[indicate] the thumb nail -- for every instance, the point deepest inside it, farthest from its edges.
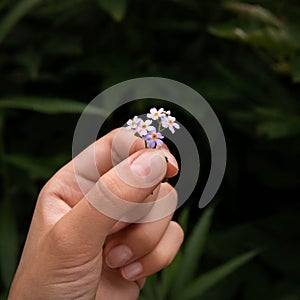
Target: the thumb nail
(150, 167)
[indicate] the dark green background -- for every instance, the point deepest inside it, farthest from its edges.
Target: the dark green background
(56, 56)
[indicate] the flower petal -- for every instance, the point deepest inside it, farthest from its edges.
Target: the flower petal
(159, 142)
(153, 110)
(151, 128)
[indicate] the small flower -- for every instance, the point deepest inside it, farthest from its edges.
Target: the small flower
(144, 127)
(153, 138)
(155, 114)
(164, 115)
(151, 134)
(169, 122)
(133, 123)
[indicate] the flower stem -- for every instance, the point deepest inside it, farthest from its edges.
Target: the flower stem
(159, 126)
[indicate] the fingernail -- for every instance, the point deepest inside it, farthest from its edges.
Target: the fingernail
(132, 271)
(150, 167)
(118, 256)
(170, 158)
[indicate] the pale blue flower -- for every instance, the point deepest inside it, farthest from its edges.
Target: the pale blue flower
(153, 138)
(149, 133)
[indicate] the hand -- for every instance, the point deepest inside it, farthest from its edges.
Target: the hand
(74, 251)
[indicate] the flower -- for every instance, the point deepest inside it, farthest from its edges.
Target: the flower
(155, 114)
(150, 134)
(169, 122)
(144, 127)
(133, 123)
(153, 138)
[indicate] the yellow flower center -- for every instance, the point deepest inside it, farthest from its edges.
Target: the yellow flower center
(133, 123)
(144, 126)
(156, 114)
(154, 136)
(170, 122)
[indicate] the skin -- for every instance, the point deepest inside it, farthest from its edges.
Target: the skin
(70, 251)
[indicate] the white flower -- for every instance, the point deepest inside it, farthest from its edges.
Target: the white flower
(155, 114)
(133, 123)
(144, 127)
(169, 122)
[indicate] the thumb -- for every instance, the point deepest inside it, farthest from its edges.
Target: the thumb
(88, 223)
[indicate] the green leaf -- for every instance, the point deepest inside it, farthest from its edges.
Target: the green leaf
(116, 8)
(193, 251)
(229, 30)
(276, 41)
(38, 169)
(276, 122)
(168, 275)
(50, 106)
(31, 61)
(183, 219)
(199, 286)
(15, 15)
(151, 289)
(8, 243)
(254, 11)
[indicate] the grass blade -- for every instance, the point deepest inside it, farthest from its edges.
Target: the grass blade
(15, 15)
(168, 274)
(36, 168)
(116, 8)
(151, 290)
(199, 286)
(50, 106)
(193, 251)
(256, 12)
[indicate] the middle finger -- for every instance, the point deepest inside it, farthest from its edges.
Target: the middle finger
(136, 240)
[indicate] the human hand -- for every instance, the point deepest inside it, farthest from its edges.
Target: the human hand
(73, 251)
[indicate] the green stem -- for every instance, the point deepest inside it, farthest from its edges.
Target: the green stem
(160, 129)
(159, 125)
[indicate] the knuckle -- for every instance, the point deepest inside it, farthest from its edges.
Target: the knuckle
(111, 185)
(58, 240)
(63, 243)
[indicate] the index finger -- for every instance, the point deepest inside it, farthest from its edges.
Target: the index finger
(95, 161)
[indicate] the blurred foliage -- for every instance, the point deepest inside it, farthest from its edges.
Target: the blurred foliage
(244, 58)
(179, 280)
